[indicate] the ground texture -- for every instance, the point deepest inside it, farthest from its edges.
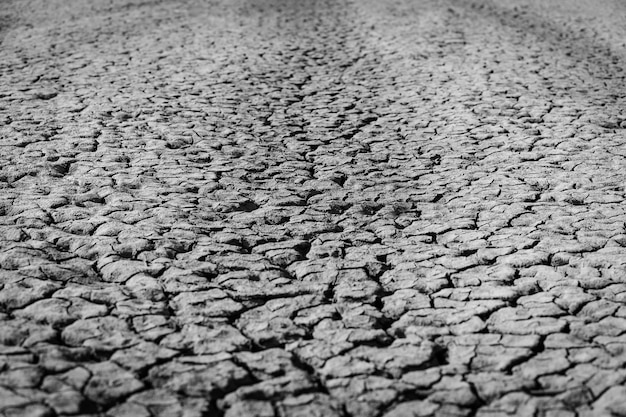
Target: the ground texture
(312, 208)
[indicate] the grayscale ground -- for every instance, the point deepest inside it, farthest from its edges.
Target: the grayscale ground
(265, 208)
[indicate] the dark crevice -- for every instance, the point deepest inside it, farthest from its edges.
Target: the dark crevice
(300, 364)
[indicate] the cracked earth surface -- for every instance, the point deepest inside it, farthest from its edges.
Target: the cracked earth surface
(323, 208)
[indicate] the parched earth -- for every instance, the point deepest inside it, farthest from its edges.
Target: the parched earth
(312, 208)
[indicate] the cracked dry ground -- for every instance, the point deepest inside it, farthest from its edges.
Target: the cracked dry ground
(322, 208)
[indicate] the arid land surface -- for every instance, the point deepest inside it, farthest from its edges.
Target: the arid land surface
(342, 208)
